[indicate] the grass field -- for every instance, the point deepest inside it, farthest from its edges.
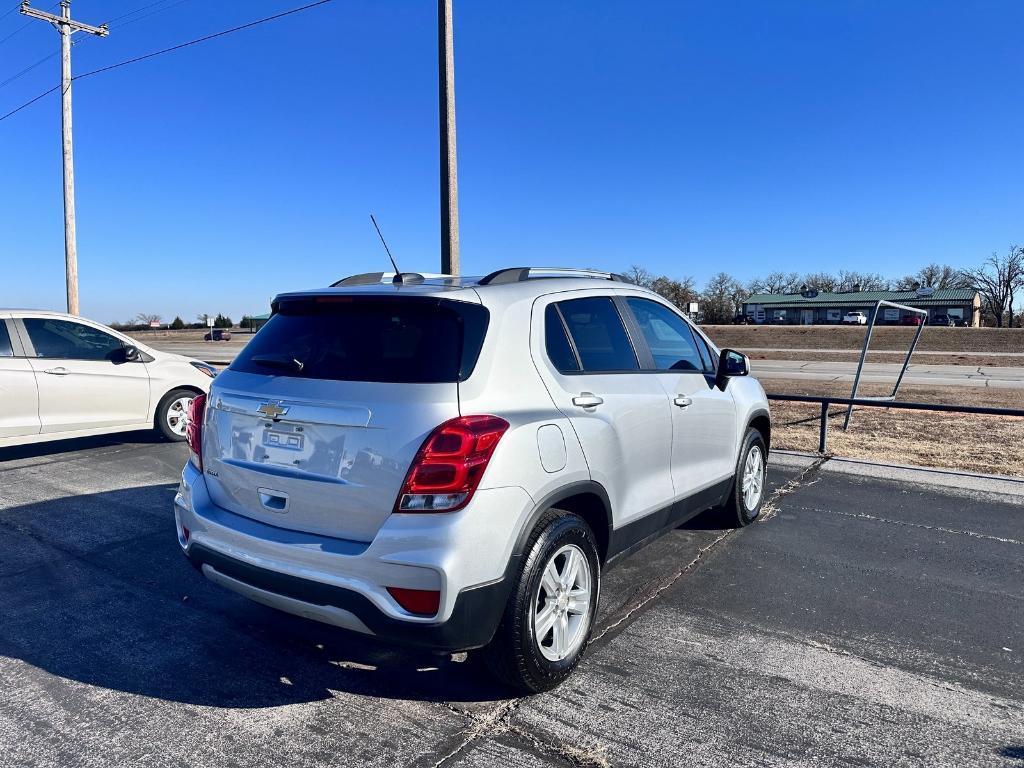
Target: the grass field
(973, 443)
(939, 339)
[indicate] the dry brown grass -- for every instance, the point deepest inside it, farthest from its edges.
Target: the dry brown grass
(945, 358)
(974, 443)
(894, 338)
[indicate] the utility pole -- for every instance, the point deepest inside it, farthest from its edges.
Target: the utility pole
(449, 160)
(67, 27)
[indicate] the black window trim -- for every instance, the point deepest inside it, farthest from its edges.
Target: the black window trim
(12, 334)
(650, 366)
(568, 336)
(626, 320)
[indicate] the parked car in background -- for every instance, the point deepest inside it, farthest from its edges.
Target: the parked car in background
(218, 334)
(953, 321)
(912, 319)
(742, 319)
(64, 376)
(454, 463)
(855, 318)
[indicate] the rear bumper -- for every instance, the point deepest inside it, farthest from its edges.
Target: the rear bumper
(463, 555)
(471, 624)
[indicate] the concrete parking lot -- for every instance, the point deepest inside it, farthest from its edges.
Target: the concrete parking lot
(872, 618)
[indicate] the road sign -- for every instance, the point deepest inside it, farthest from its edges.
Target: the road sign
(209, 322)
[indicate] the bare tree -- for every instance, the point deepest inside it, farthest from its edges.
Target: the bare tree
(861, 281)
(143, 319)
(640, 276)
(822, 281)
(933, 276)
(776, 282)
(679, 292)
(720, 298)
(997, 280)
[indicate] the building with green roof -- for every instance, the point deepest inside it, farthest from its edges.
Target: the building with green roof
(812, 307)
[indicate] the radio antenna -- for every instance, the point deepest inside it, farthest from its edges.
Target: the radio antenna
(384, 243)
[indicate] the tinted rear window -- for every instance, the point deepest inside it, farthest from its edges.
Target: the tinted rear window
(406, 340)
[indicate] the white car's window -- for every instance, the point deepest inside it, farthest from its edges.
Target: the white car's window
(667, 335)
(64, 339)
(5, 341)
(599, 335)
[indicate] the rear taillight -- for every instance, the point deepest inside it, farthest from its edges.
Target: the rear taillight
(194, 430)
(449, 464)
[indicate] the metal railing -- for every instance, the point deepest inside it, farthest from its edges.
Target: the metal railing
(850, 402)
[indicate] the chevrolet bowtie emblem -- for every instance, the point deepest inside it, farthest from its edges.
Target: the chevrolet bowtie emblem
(272, 410)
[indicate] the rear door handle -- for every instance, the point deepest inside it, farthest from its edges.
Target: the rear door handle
(61, 371)
(587, 400)
(683, 401)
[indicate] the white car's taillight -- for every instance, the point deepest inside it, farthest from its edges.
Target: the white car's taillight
(448, 466)
(194, 430)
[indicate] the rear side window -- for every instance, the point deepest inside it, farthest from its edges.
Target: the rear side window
(67, 340)
(558, 348)
(599, 335)
(668, 336)
(5, 341)
(355, 338)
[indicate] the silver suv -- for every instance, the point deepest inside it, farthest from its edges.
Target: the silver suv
(454, 462)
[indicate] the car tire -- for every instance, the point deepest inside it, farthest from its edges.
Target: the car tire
(533, 659)
(169, 420)
(747, 496)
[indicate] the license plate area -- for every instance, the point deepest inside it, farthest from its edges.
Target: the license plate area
(284, 439)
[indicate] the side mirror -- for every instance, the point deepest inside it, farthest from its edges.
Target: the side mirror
(131, 354)
(731, 363)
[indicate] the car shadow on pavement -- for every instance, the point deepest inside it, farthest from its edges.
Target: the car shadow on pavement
(75, 444)
(94, 589)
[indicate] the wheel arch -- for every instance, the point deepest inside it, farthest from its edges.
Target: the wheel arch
(762, 422)
(157, 400)
(588, 499)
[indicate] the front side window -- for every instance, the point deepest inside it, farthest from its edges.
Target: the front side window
(67, 340)
(5, 341)
(599, 335)
(668, 336)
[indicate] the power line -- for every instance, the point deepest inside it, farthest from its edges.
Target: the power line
(132, 13)
(173, 48)
(23, 26)
(151, 13)
(201, 39)
(10, 12)
(27, 69)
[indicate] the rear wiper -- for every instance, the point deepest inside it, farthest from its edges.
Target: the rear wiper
(283, 362)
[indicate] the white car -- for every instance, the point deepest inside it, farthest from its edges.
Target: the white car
(855, 318)
(64, 376)
(455, 462)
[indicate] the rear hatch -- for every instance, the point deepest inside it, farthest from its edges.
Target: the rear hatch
(315, 424)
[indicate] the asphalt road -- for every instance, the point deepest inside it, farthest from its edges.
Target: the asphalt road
(223, 352)
(862, 622)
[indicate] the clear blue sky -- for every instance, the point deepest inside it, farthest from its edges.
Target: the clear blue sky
(687, 137)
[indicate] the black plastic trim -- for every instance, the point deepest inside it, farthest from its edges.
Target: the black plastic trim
(472, 624)
(634, 536)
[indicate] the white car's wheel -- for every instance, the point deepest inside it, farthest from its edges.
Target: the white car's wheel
(172, 414)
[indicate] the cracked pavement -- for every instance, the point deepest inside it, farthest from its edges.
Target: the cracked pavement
(866, 620)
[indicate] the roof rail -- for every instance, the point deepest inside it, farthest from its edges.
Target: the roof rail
(519, 274)
(375, 278)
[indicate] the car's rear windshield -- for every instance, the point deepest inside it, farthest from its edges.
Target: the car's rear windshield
(414, 340)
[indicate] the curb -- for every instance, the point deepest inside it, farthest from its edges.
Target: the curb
(968, 484)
